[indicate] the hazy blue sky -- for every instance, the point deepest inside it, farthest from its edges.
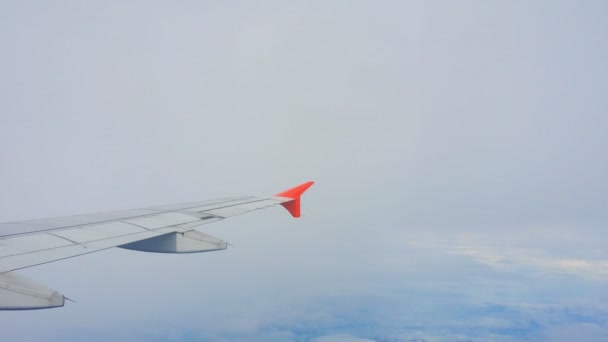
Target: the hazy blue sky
(459, 150)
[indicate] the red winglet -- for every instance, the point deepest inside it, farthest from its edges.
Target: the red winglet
(294, 193)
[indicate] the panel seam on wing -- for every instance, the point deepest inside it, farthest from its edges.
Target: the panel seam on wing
(126, 218)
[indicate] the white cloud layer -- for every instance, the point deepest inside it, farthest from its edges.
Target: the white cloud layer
(459, 153)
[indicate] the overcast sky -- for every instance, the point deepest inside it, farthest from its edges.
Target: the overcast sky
(459, 150)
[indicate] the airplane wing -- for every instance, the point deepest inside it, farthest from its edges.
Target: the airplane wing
(163, 229)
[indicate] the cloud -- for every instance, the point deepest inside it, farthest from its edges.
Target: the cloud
(341, 338)
(514, 258)
(577, 331)
(459, 153)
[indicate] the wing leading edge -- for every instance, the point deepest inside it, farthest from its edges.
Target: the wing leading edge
(165, 229)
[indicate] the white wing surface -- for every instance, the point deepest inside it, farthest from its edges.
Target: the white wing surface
(162, 229)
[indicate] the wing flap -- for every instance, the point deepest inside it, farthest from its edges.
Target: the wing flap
(20, 293)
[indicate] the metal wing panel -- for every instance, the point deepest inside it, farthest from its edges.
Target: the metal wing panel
(238, 209)
(98, 232)
(162, 220)
(23, 260)
(34, 226)
(30, 243)
(6, 250)
(103, 236)
(43, 256)
(183, 206)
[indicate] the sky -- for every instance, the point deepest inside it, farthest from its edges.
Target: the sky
(458, 149)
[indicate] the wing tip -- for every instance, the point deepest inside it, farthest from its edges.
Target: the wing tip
(294, 193)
